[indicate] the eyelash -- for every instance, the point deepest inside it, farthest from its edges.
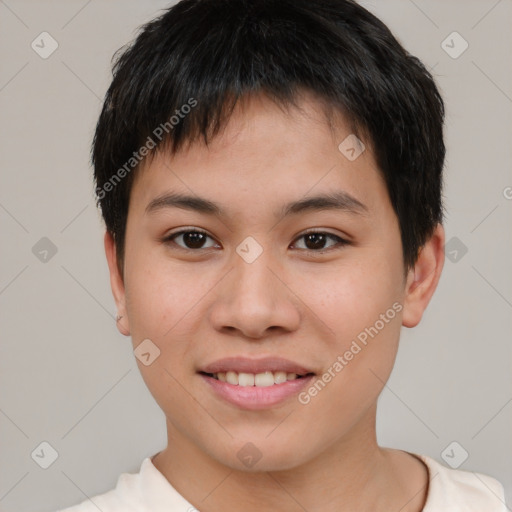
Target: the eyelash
(341, 242)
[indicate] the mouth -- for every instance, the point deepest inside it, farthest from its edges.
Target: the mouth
(263, 379)
(255, 384)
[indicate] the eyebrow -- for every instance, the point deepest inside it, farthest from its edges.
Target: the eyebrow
(338, 200)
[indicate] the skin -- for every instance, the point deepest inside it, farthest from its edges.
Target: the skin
(201, 306)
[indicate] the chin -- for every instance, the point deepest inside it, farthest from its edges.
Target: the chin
(261, 455)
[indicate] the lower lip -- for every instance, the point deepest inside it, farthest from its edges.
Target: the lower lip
(254, 397)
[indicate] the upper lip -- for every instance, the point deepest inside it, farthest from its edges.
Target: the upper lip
(247, 365)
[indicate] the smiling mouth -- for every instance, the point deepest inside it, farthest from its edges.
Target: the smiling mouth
(264, 379)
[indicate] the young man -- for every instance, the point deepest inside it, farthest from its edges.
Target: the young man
(270, 175)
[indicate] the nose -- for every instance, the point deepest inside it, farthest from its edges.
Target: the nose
(255, 299)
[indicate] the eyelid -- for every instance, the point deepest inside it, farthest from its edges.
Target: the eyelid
(341, 240)
(323, 231)
(168, 238)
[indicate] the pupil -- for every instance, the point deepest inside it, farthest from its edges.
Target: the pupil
(193, 239)
(318, 240)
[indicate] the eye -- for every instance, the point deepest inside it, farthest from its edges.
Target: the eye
(315, 241)
(194, 239)
(191, 238)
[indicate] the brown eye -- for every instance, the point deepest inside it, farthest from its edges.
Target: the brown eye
(194, 239)
(191, 239)
(315, 241)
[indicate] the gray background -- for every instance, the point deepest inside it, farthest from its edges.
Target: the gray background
(69, 378)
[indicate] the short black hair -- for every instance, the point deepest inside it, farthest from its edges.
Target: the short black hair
(181, 77)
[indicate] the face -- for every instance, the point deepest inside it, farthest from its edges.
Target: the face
(246, 288)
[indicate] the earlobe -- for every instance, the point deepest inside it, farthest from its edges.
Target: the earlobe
(117, 284)
(422, 280)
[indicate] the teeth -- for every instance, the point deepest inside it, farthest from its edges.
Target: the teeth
(246, 379)
(279, 377)
(264, 379)
(232, 378)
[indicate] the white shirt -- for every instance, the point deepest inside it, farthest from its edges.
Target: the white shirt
(450, 490)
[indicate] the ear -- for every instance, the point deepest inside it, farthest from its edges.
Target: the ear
(423, 278)
(117, 284)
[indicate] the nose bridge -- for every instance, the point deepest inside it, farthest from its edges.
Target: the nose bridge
(251, 275)
(252, 298)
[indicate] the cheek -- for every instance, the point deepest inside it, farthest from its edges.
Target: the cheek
(359, 365)
(161, 296)
(361, 306)
(351, 297)
(160, 307)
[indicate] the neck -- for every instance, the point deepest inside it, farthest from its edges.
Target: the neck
(353, 473)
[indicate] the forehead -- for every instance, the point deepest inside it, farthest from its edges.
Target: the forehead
(265, 154)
